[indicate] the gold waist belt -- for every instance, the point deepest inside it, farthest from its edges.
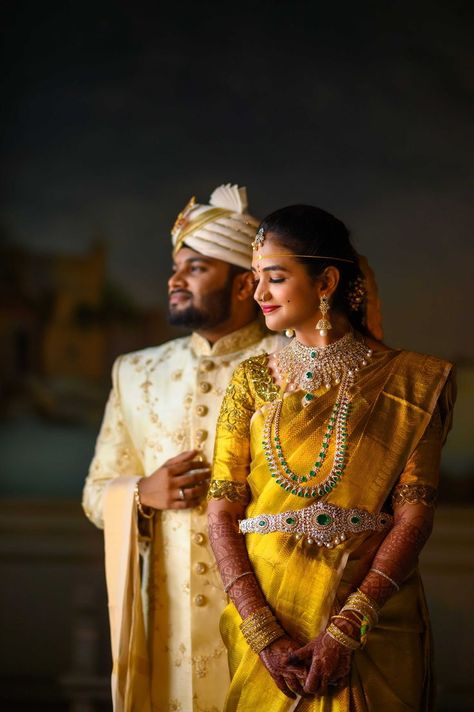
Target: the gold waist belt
(324, 523)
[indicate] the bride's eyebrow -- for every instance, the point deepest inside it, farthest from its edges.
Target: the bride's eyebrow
(275, 267)
(270, 268)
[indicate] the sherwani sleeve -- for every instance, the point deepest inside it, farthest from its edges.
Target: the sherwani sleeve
(115, 454)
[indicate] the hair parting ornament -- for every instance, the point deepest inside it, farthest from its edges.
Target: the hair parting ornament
(260, 239)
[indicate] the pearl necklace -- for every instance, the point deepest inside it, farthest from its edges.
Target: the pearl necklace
(338, 364)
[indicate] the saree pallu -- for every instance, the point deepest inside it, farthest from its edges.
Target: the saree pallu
(401, 412)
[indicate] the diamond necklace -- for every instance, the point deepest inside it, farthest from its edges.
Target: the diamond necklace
(309, 367)
(339, 365)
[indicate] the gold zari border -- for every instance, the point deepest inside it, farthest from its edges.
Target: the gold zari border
(414, 494)
(232, 491)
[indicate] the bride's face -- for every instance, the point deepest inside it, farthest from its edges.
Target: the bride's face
(286, 294)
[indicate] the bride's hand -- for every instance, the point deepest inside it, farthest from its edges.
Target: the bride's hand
(329, 664)
(289, 678)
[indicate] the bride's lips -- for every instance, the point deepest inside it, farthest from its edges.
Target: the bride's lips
(269, 310)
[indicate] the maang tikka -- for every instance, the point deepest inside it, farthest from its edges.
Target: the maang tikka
(324, 324)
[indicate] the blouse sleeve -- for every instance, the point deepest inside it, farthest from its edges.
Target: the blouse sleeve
(231, 462)
(419, 480)
(115, 455)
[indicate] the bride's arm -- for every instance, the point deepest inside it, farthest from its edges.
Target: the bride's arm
(243, 588)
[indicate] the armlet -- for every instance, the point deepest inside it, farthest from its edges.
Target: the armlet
(225, 489)
(414, 494)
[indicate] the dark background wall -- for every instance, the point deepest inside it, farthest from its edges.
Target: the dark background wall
(113, 115)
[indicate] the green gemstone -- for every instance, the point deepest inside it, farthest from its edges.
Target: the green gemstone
(355, 520)
(309, 374)
(318, 464)
(294, 491)
(323, 519)
(294, 478)
(304, 479)
(262, 523)
(309, 397)
(313, 354)
(312, 473)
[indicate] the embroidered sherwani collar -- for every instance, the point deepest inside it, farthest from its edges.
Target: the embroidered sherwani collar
(236, 341)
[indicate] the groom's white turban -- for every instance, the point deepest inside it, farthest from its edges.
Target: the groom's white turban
(223, 229)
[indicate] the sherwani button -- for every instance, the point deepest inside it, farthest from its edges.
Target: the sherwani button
(199, 538)
(202, 410)
(200, 567)
(208, 365)
(201, 435)
(205, 387)
(200, 600)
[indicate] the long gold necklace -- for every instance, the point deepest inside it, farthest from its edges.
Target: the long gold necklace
(302, 366)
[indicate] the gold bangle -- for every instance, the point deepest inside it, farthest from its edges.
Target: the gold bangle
(349, 620)
(337, 634)
(364, 605)
(258, 642)
(260, 629)
(236, 578)
(136, 495)
(386, 576)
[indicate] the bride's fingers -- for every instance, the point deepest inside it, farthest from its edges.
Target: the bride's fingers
(313, 680)
(300, 655)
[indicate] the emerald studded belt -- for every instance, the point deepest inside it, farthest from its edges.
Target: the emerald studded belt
(322, 523)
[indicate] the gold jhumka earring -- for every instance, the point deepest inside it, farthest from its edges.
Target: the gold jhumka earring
(324, 324)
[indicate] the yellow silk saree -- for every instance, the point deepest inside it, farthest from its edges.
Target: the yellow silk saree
(401, 412)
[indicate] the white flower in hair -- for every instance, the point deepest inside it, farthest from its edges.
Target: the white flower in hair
(230, 197)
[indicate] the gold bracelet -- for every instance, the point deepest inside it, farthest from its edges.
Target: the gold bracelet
(258, 641)
(236, 578)
(370, 601)
(260, 629)
(364, 605)
(136, 495)
(386, 576)
(349, 620)
(337, 634)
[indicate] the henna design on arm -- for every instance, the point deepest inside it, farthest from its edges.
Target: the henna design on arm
(398, 554)
(232, 559)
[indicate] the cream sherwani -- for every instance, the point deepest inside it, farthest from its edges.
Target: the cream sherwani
(164, 400)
